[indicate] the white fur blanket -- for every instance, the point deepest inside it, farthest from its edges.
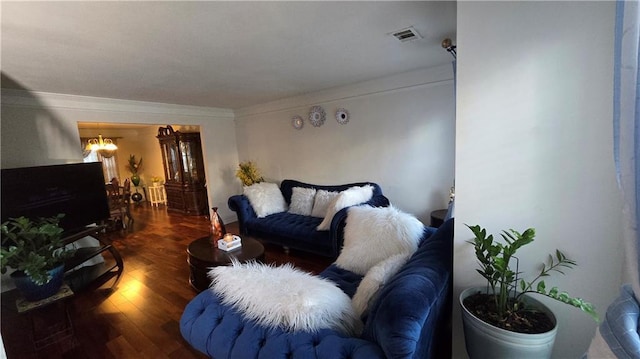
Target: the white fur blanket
(284, 297)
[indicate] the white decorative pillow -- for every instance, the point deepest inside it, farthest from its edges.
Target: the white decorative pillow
(284, 297)
(375, 279)
(349, 197)
(373, 234)
(265, 198)
(302, 200)
(321, 202)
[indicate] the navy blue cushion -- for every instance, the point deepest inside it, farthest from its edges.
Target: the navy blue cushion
(293, 226)
(292, 230)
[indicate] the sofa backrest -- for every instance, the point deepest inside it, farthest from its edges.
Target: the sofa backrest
(410, 315)
(286, 187)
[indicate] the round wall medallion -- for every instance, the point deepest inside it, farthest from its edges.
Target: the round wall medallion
(297, 122)
(342, 116)
(317, 116)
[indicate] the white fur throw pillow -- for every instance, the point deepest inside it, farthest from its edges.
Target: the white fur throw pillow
(373, 234)
(265, 198)
(302, 200)
(284, 297)
(375, 279)
(321, 202)
(349, 197)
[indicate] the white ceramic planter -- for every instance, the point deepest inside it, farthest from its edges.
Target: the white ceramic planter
(487, 341)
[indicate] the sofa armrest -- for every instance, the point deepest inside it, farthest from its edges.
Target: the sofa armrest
(241, 205)
(410, 316)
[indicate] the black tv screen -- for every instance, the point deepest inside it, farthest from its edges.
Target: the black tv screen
(77, 190)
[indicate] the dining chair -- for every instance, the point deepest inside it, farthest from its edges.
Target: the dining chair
(118, 208)
(127, 200)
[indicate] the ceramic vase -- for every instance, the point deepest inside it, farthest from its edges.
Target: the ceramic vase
(34, 292)
(484, 340)
(135, 179)
(217, 226)
(136, 197)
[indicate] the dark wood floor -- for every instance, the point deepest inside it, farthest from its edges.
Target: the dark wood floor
(140, 318)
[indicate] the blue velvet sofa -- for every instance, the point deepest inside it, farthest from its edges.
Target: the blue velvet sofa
(297, 231)
(410, 317)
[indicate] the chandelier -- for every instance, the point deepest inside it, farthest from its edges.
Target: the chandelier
(105, 147)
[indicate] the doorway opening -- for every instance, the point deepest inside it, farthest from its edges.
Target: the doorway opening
(138, 146)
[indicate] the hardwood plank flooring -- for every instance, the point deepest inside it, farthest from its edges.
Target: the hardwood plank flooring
(140, 318)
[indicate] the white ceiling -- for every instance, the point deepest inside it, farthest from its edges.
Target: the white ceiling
(216, 54)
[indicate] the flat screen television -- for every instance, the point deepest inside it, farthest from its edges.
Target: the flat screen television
(77, 190)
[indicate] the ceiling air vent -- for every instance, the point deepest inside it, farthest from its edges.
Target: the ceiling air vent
(407, 34)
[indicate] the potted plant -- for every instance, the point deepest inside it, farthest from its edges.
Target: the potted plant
(503, 320)
(36, 250)
(134, 167)
(248, 173)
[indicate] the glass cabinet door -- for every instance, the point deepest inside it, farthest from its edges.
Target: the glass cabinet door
(189, 166)
(173, 164)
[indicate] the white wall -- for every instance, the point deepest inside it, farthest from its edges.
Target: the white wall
(400, 135)
(152, 164)
(534, 147)
(42, 128)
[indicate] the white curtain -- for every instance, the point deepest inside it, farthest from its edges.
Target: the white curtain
(617, 336)
(627, 129)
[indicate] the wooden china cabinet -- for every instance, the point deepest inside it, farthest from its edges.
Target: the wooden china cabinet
(183, 171)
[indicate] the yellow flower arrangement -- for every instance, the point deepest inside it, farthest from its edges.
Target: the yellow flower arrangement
(248, 173)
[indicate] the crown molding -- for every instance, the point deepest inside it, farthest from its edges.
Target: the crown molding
(35, 99)
(425, 77)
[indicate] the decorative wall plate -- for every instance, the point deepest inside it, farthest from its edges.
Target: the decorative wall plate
(342, 116)
(317, 116)
(297, 122)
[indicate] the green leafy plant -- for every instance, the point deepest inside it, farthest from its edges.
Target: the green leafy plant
(33, 246)
(505, 285)
(134, 166)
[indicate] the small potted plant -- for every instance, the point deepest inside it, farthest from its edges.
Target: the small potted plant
(248, 173)
(134, 167)
(503, 320)
(36, 250)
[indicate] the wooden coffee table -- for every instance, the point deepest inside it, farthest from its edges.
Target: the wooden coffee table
(202, 255)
